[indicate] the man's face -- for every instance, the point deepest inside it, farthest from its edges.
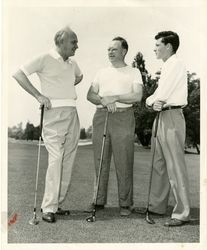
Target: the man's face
(69, 45)
(161, 50)
(116, 52)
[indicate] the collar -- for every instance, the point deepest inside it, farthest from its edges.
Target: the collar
(171, 58)
(57, 56)
(169, 61)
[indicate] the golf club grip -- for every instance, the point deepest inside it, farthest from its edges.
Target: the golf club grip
(41, 119)
(156, 124)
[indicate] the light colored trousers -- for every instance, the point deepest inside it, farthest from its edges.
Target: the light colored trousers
(120, 142)
(169, 168)
(61, 132)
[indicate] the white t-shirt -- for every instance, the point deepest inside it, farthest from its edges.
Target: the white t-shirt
(57, 76)
(117, 81)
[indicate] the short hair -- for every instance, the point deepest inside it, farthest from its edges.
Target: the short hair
(61, 34)
(169, 37)
(124, 43)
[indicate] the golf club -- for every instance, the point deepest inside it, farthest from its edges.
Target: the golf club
(147, 216)
(92, 218)
(146, 211)
(34, 220)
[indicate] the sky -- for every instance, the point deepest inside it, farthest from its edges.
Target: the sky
(31, 29)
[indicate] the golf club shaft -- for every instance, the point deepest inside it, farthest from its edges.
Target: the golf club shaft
(101, 158)
(153, 155)
(38, 158)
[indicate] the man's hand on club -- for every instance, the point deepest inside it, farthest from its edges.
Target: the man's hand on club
(108, 100)
(43, 100)
(157, 106)
(111, 107)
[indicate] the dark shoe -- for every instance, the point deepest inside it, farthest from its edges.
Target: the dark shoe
(49, 217)
(91, 207)
(125, 211)
(175, 223)
(61, 211)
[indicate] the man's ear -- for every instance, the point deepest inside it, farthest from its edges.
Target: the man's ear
(124, 51)
(169, 46)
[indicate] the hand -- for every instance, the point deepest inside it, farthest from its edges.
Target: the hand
(108, 100)
(111, 107)
(157, 106)
(43, 100)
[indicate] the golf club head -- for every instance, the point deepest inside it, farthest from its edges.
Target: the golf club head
(149, 219)
(34, 221)
(91, 219)
(140, 210)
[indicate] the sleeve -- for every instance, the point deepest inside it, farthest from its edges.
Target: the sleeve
(77, 69)
(167, 84)
(33, 66)
(137, 80)
(96, 80)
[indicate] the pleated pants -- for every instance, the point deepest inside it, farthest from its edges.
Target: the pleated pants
(61, 132)
(169, 166)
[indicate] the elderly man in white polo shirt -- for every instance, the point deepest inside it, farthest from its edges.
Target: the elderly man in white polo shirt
(169, 167)
(58, 76)
(114, 90)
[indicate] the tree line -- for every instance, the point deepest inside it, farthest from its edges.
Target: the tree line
(144, 117)
(31, 132)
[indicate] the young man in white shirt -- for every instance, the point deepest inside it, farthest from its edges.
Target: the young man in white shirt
(114, 90)
(169, 167)
(58, 76)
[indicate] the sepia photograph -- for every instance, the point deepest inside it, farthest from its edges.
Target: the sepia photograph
(103, 125)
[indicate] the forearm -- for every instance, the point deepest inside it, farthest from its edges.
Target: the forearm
(78, 79)
(129, 98)
(24, 82)
(94, 98)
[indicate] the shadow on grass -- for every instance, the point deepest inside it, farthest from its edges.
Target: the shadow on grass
(111, 213)
(192, 153)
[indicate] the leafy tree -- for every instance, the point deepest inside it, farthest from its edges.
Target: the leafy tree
(192, 112)
(37, 132)
(144, 117)
(82, 133)
(29, 131)
(89, 132)
(16, 132)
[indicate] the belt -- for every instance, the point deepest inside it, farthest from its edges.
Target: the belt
(63, 102)
(117, 109)
(172, 107)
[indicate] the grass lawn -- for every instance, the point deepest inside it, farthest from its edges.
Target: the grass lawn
(109, 227)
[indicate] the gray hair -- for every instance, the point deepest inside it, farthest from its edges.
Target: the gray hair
(61, 35)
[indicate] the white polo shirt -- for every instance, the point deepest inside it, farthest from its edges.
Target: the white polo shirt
(117, 81)
(172, 85)
(57, 77)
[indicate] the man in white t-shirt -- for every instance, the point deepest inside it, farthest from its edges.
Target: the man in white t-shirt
(114, 90)
(58, 76)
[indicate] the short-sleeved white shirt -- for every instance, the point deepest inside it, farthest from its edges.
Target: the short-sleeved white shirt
(57, 77)
(117, 81)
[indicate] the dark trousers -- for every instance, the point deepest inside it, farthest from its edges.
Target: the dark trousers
(119, 142)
